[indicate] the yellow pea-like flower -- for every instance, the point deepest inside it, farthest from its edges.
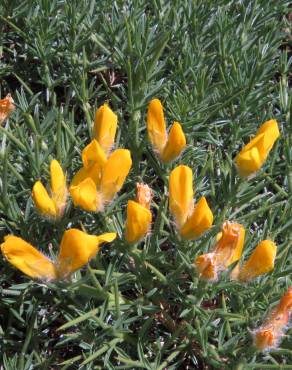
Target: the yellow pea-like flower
(100, 178)
(51, 206)
(181, 195)
(28, 259)
(105, 127)
(260, 262)
(200, 221)
(85, 195)
(6, 107)
(114, 173)
(175, 144)
(191, 221)
(227, 250)
(93, 154)
(253, 155)
(272, 331)
(168, 147)
(76, 250)
(139, 216)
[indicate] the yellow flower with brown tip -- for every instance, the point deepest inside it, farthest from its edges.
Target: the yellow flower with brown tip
(167, 146)
(139, 216)
(260, 262)
(227, 250)
(51, 206)
(191, 221)
(105, 127)
(6, 107)
(76, 250)
(100, 178)
(268, 335)
(253, 155)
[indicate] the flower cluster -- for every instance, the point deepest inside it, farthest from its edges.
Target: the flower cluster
(102, 175)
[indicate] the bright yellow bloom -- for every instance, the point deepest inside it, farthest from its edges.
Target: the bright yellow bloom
(93, 155)
(260, 262)
(227, 250)
(270, 333)
(97, 182)
(114, 173)
(105, 126)
(6, 107)
(77, 248)
(51, 206)
(27, 259)
(200, 221)
(191, 221)
(168, 147)
(253, 155)
(139, 216)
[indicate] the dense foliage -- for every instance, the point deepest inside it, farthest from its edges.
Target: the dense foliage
(221, 68)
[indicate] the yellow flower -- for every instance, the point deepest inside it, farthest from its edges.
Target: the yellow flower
(260, 262)
(51, 206)
(191, 221)
(97, 182)
(227, 250)
(139, 216)
(270, 333)
(6, 107)
(105, 126)
(28, 259)
(253, 155)
(168, 147)
(76, 249)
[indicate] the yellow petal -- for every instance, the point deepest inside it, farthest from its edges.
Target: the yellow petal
(271, 130)
(199, 222)
(260, 262)
(253, 155)
(86, 196)
(42, 201)
(181, 195)
(105, 126)
(27, 259)
(58, 186)
(6, 107)
(77, 248)
(156, 125)
(93, 154)
(250, 161)
(175, 144)
(115, 172)
(138, 222)
(93, 172)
